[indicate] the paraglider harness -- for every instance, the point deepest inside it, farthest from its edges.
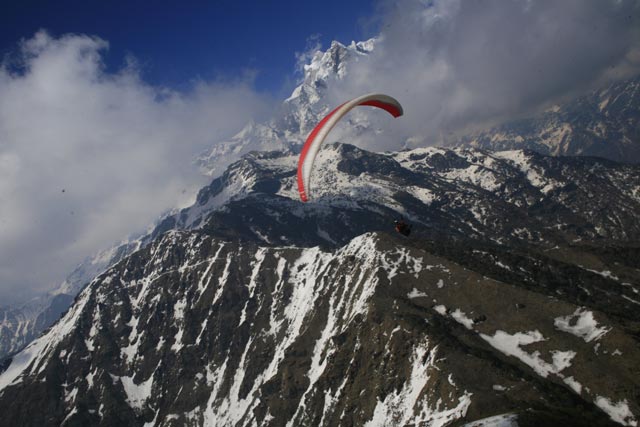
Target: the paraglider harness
(402, 227)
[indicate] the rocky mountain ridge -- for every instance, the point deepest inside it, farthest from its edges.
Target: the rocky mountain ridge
(371, 334)
(233, 315)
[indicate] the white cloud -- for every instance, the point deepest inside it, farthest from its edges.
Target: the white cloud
(88, 156)
(303, 58)
(457, 64)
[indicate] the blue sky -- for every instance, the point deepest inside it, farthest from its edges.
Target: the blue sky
(177, 42)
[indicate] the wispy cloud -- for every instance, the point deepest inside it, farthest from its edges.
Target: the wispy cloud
(88, 156)
(313, 45)
(457, 64)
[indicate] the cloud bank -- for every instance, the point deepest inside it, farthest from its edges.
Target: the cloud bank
(456, 65)
(89, 156)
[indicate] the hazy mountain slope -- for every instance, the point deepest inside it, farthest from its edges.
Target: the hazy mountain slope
(605, 123)
(19, 325)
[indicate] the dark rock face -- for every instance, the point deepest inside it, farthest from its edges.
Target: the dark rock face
(516, 294)
(197, 330)
(602, 124)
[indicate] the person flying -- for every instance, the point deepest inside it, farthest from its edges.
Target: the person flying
(402, 227)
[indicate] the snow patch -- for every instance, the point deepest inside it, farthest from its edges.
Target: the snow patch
(581, 324)
(510, 344)
(523, 163)
(441, 309)
(416, 294)
(575, 385)
(34, 357)
(606, 274)
(137, 394)
(618, 412)
(410, 405)
(504, 420)
(475, 175)
(462, 318)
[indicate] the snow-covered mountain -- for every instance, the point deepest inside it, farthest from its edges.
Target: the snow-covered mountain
(299, 113)
(515, 296)
(511, 196)
(605, 123)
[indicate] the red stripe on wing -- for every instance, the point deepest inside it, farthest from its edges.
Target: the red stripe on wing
(390, 108)
(305, 150)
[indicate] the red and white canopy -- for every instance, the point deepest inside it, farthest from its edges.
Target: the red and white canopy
(320, 132)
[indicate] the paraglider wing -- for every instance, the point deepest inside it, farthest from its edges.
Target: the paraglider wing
(320, 132)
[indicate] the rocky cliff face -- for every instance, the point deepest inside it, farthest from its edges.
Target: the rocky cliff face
(515, 296)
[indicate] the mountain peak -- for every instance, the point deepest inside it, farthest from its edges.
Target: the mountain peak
(327, 65)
